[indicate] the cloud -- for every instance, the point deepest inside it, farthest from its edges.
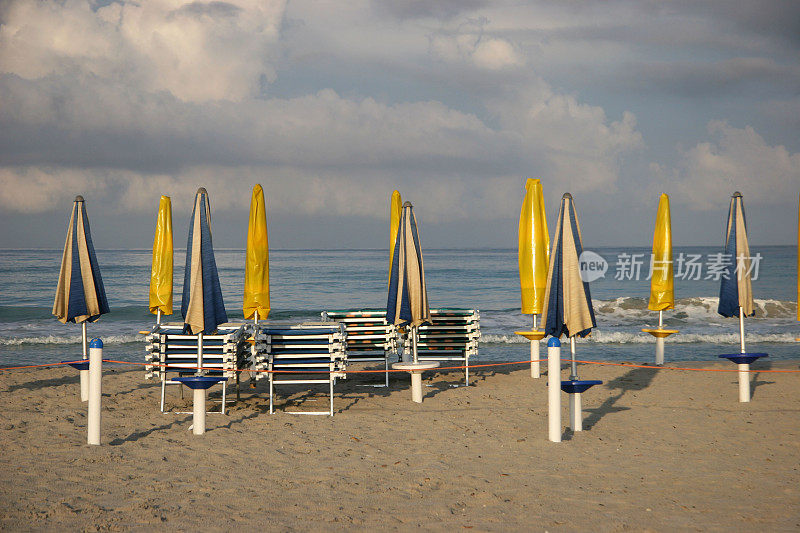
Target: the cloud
(469, 42)
(196, 51)
(735, 159)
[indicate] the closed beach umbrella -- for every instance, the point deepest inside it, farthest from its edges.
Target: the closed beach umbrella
(202, 306)
(534, 260)
(161, 269)
(80, 295)
(408, 298)
(395, 209)
(568, 302)
(736, 291)
(662, 292)
(256, 272)
(534, 249)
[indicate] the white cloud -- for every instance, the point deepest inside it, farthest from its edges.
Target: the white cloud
(195, 50)
(735, 159)
(469, 42)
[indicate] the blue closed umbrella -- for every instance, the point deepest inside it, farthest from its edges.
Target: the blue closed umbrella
(568, 302)
(202, 306)
(407, 303)
(80, 294)
(736, 289)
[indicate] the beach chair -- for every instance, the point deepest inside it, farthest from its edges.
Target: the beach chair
(452, 335)
(171, 352)
(370, 339)
(305, 354)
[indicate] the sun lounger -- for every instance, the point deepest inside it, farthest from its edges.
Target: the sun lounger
(452, 336)
(169, 352)
(369, 338)
(312, 353)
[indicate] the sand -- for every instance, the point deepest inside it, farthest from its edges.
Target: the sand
(662, 451)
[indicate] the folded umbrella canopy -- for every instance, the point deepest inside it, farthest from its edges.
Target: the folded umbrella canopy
(395, 209)
(161, 269)
(534, 249)
(256, 271)
(80, 295)
(202, 307)
(736, 291)
(408, 297)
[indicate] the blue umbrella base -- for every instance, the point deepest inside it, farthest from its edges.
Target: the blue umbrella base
(743, 358)
(200, 382)
(574, 386)
(78, 365)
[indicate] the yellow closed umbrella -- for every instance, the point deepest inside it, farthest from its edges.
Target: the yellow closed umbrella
(161, 269)
(256, 271)
(534, 261)
(534, 248)
(662, 285)
(395, 210)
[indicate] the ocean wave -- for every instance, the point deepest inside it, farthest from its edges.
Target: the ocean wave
(623, 337)
(690, 308)
(55, 339)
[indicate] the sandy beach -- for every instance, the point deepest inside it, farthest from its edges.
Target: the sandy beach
(663, 450)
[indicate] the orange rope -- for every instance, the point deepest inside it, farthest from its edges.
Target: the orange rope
(485, 365)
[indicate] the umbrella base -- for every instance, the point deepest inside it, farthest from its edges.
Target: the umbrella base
(743, 358)
(200, 382)
(78, 365)
(577, 386)
(416, 369)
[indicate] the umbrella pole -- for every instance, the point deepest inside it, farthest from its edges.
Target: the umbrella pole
(158, 317)
(414, 342)
(744, 370)
(574, 370)
(535, 368)
(84, 373)
(660, 341)
(199, 403)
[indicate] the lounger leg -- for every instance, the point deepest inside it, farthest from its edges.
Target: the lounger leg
(163, 392)
(238, 392)
(331, 392)
(386, 362)
(466, 370)
(271, 390)
(224, 389)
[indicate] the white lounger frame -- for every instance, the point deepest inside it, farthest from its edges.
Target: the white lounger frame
(223, 352)
(453, 335)
(316, 346)
(370, 339)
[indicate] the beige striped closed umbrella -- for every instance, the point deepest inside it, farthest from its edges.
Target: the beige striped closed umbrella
(408, 296)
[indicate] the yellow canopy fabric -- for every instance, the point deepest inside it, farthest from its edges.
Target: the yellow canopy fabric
(662, 291)
(395, 210)
(256, 270)
(161, 269)
(534, 248)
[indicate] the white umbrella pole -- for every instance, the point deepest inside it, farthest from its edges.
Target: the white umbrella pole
(574, 368)
(575, 422)
(414, 342)
(535, 367)
(84, 373)
(744, 370)
(255, 318)
(554, 391)
(660, 341)
(95, 391)
(158, 317)
(199, 411)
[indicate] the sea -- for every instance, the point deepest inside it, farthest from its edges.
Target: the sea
(303, 283)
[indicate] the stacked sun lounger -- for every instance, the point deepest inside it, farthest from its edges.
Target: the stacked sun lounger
(171, 352)
(452, 336)
(370, 339)
(312, 353)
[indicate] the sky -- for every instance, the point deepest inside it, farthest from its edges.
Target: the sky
(331, 106)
